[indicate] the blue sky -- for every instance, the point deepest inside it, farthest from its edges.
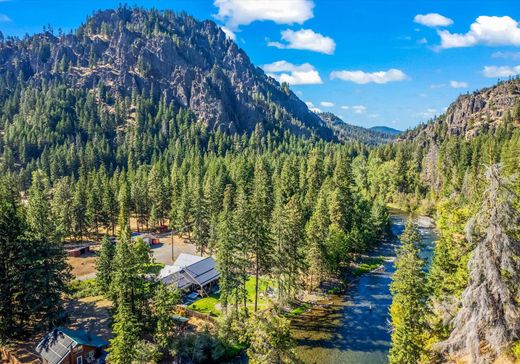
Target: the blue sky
(372, 62)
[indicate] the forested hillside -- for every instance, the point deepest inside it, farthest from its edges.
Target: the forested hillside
(350, 133)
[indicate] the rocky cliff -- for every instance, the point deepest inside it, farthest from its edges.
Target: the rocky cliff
(473, 114)
(173, 56)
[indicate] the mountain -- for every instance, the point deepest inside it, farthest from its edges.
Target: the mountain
(348, 132)
(386, 130)
(473, 114)
(170, 56)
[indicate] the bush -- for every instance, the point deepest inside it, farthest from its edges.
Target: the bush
(516, 350)
(86, 288)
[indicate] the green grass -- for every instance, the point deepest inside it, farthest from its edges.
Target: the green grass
(86, 288)
(367, 265)
(299, 310)
(208, 304)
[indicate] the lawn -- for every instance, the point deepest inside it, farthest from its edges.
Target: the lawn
(208, 304)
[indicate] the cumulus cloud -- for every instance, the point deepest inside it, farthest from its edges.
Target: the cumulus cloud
(305, 39)
(327, 104)
(4, 18)
(506, 55)
(362, 77)
(229, 33)
(428, 114)
(345, 107)
(432, 20)
(283, 71)
(243, 12)
(311, 107)
(486, 30)
(501, 71)
(359, 109)
(458, 84)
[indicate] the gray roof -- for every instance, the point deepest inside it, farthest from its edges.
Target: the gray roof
(60, 341)
(190, 270)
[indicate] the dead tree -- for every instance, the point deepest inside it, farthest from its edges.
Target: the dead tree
(489, 316)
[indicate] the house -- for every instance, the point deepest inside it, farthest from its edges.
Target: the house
(191, 272)
(67, 346)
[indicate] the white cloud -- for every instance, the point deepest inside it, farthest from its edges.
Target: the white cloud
(243, 12)
(373, 116)
(359, 109)
(327, 104)
(486, 30)
(432, 20)
(422, 41)
(229, 33)
(283, 71)
(311, 107)
(305, 39)
(506, 55)
(345, 107)
(4, 18)
(362, 77)
(458, 84)
(501, 71)
(428, 114)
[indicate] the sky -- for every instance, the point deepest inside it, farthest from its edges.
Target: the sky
(371, 62)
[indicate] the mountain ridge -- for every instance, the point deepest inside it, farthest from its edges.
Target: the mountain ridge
(172, 56)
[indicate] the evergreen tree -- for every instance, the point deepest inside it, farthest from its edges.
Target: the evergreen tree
(408, 289)
(123, 347)
(105, 264)
(288, 238)
(261, 204)
(270, 340)
(489, 310)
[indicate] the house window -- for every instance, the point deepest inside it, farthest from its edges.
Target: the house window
(79, 360)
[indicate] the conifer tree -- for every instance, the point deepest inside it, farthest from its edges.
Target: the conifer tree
(105, 264)
(408, 289)
(122, 349)
(288, 237)
(261, 205)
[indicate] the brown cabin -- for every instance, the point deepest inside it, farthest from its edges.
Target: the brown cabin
(64, 346)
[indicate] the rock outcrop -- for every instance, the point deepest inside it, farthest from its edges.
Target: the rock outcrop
(473, 114)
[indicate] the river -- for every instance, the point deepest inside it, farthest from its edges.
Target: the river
(354, 327)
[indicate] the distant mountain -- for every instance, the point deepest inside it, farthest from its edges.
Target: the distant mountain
(174, 57)
(473, 114)
(348, 132)
(386, 130)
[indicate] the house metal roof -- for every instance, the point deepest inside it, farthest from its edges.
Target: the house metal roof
(57, 344)
(190, 269)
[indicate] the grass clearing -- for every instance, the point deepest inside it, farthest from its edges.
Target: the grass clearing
(208, 304)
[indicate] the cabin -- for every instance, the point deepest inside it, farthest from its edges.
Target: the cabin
(190, 272)
(65, 346)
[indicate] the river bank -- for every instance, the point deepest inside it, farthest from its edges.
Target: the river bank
(353, 327)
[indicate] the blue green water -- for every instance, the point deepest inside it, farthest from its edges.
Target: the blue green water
(354, 327)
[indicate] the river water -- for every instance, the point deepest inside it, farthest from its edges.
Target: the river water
(354, 327)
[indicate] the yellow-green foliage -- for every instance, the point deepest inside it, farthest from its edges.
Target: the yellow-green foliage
(516, 351)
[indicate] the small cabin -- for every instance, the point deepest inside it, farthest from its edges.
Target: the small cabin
(65, 346)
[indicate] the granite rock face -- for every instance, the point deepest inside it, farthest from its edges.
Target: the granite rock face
(472, 114)
(173, 56)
